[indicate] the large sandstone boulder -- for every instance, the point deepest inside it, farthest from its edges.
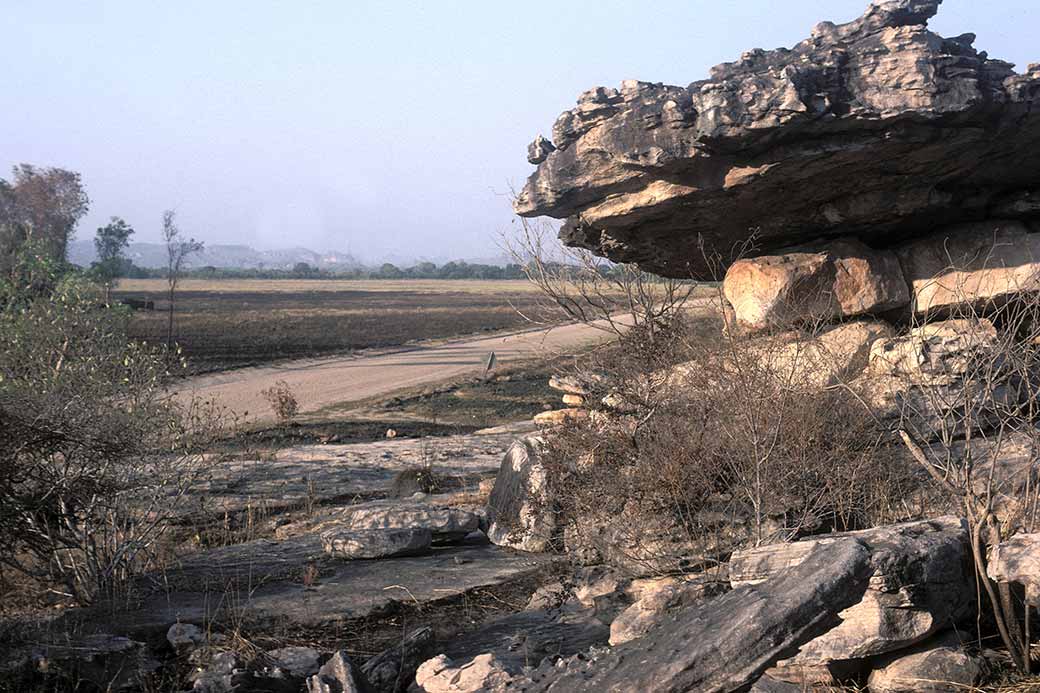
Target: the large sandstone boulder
(920, 584)
(1005, 467)
(520, 509)
(840, 279)
(446, 524)
(878, 128)
(939, 353)
(836, 354)
(803, 360)
(971, 265)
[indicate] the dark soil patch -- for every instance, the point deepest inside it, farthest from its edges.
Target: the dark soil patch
(513, 396)
(347, 431)
(223, 329)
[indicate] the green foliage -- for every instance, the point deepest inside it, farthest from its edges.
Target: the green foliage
(93, 456)
(31, 272)
(110, 242)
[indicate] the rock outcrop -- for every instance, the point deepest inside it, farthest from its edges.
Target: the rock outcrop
(351, 544)
(393, 670)
(444, 675)
(878, 128)
(446, 524)
(338, 675)
(920, 585)
(727, 644)
(658, 599)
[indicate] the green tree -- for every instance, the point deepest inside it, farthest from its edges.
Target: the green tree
(390, 271)
(110, 242)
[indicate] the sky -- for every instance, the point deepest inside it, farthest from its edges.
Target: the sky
(389, 128)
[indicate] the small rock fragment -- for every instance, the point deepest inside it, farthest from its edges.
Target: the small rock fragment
(183, 636)
(338, 675)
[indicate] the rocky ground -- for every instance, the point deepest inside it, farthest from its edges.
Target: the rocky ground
(889, 176)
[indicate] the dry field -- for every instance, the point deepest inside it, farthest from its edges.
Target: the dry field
(232, 323)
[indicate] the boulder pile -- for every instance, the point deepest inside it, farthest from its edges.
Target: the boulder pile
(869, 201)
(875, 173)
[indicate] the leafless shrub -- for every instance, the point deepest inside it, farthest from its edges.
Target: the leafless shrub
(594, 291)
(726, 440)
(969, 418)
(178, 251)
(282, 401)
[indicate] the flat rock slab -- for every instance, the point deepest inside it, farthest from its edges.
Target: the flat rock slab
(445, 523)
(524, 639)
(353, 544)
(918, 586)
(728, 643)
(264, 580)
(323, 473)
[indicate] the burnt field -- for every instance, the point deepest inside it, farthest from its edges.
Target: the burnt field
(234, 323)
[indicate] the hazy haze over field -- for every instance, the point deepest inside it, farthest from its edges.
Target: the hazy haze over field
(375, 127)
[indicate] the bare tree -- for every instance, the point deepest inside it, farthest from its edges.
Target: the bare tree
(969, 417)
(177, 252)
(589, 289)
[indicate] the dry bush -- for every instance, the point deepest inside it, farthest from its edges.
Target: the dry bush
(283, 402)
(589, 289)
(970, 422)
(408, 482)
(723, 450)
(95, 460)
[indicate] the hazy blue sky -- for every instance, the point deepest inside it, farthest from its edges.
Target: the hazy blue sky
(387, 126)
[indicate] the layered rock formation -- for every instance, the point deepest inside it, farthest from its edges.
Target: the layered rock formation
(878, 129)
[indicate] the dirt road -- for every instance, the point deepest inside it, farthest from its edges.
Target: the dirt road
(319, 383)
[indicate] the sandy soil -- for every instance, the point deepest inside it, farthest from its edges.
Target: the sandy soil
(324, 382)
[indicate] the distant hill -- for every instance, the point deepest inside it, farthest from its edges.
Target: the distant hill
(153, 255)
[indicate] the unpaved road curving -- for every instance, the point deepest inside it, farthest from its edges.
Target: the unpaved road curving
(320, 383)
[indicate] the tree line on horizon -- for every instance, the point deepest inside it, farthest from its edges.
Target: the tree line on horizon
(301, 270)
(40, 208)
